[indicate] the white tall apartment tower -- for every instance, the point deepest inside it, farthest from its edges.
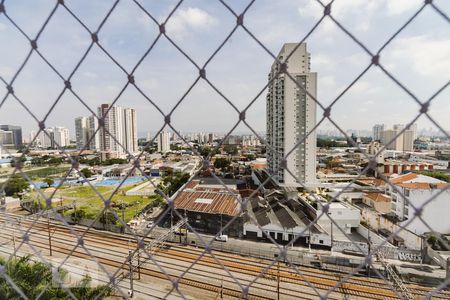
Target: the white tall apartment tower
(119, 133)
(291, 115)
(163, 142)
(376, 132)
(61, 136)
(94, 143)
(82, 132)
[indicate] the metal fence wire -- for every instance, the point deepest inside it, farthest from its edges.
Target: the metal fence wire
(258, 279)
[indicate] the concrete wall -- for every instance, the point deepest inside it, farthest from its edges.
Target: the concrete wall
(377, 222)
(435, 212)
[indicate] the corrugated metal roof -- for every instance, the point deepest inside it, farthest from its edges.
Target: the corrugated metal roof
(221, 201)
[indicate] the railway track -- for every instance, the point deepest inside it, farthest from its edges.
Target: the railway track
(360, 287)
(61, 247)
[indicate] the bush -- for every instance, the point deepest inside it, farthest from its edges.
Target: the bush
(86, 172)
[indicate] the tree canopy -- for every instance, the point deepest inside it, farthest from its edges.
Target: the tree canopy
(36, 279)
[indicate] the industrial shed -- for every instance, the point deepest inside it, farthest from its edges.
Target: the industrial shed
(209, 209)
(280, 218)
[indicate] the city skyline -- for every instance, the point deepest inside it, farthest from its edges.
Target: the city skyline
(240, 75)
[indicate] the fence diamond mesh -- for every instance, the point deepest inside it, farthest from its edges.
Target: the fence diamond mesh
(177, 254)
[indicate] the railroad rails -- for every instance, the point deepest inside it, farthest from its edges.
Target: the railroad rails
(206, 274)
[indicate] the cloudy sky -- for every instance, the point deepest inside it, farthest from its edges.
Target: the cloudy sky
(419, 58)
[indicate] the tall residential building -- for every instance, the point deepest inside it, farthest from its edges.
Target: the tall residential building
(16, 134)
(291, 116)
(376, 132)
(94, 143)
(408, 140)
(402, 142)
(53, 137)
(82, 132)
(61, 136)
(163, 142)
(119, 133)
(86, 128)
(413, 127)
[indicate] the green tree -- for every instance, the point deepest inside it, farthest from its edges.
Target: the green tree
(36, 279)
(15, 185)
(230, 149)
(86, 172)
(49, 181)
(221, 163)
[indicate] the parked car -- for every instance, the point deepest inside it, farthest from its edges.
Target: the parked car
(222, 238)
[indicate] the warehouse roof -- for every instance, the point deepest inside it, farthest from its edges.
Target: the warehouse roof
(210, 201)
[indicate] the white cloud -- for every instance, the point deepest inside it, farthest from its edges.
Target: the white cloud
(322, 61)
(397, 7)
(427, 56)
(327, 81)
(363, 87)
(191, 18)
(90, 74)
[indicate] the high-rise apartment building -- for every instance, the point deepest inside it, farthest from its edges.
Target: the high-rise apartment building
(413, 127)
(291, 117)
(82, 132)
(163, 142)
(376, 132)
(61, 136)
(87, 136)
(119, 133)
(16, 132)
(394, 141)
(53, 137)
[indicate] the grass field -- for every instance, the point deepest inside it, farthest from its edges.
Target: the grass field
(86, 199)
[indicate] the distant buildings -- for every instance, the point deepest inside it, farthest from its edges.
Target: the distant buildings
(119, 133)
(11, 136)
(163, 141)
(291, 116)
(402, 142)
(377, 131)
(85, 128)
(52, 137)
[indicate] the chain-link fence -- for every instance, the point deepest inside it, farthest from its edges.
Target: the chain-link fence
(182, 252)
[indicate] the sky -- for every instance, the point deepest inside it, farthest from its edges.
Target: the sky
(419, 57)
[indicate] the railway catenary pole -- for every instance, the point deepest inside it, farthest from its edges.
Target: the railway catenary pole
(278, 279)
(275, 255)
(139, 264)
(49, 236)
(130, 264)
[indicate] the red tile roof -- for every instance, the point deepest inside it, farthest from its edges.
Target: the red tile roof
(403, 178)
(378, 197)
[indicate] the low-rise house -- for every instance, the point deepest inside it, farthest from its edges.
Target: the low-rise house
(378, 201)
